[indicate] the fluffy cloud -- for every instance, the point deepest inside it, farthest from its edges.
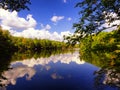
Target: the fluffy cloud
(57, 18)
(41, 34)
(64, 1)
(69, 19)
(11, 20)
(47, 27)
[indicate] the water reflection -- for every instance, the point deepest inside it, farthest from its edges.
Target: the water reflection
(109, 63)
(62, 58)
(10, 76)
(56, 76)
(58, 72)
(111, 76)
(27, 68)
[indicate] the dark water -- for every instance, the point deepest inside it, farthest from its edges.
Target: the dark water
(57, 72)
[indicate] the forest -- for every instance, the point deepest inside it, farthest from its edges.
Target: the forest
(102, 50)
(104, 41)
(9, 43)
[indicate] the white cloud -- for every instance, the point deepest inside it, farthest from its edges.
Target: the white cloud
(64, 1)
(110, 25)
(11, 20)
(47, 27)
(69, 19)
(41, 34)
(57, 18)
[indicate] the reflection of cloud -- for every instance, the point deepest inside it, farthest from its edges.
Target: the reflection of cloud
(12, 74)
(47, 67)
(56, 76)
(3, 88)
(63, 58)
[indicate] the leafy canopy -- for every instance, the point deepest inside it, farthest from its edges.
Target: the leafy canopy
(94, 13)
(16, 5)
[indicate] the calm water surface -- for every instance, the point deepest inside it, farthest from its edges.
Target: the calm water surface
(57, 72)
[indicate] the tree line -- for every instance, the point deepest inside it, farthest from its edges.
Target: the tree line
(104, 41)
(9, 43)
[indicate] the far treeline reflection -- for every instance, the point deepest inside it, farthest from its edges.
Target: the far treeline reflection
(18, 56)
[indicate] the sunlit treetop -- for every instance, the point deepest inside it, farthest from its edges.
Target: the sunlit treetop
(16, 5)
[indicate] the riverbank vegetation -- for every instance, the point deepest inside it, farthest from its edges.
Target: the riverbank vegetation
(96, 17)
(9, 43)
(104, 41)
(103, 51)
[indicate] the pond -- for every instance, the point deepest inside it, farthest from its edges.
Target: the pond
(63, 71)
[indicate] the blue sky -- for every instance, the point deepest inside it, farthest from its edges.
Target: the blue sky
(54, 16)
(43, 10)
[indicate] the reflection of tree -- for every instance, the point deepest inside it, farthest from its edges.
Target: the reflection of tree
(66, 58)
(99, 78)
(4, 64)
(107, 77)
(112, 77)
(5, 60)
(41, 54)
(9, 75)
(109, 63)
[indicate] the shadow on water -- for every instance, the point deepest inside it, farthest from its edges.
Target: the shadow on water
(109, 72)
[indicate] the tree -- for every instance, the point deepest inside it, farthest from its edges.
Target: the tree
(16, 5)
(95, 13)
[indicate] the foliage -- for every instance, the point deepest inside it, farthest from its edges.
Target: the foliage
(17, 56)
(93, 14)
(9, 43)
(103, 50)
(6, 44)
(24, 44)
(14, 4)
(109, 64)
(104, 41)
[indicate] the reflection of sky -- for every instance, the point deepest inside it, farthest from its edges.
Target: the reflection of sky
(62, 58)
(45, 75)
(56, 76)
(25, 67)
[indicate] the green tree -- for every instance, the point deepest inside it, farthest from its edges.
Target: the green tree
(6, 43)
(16, 5)
(93, 14)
